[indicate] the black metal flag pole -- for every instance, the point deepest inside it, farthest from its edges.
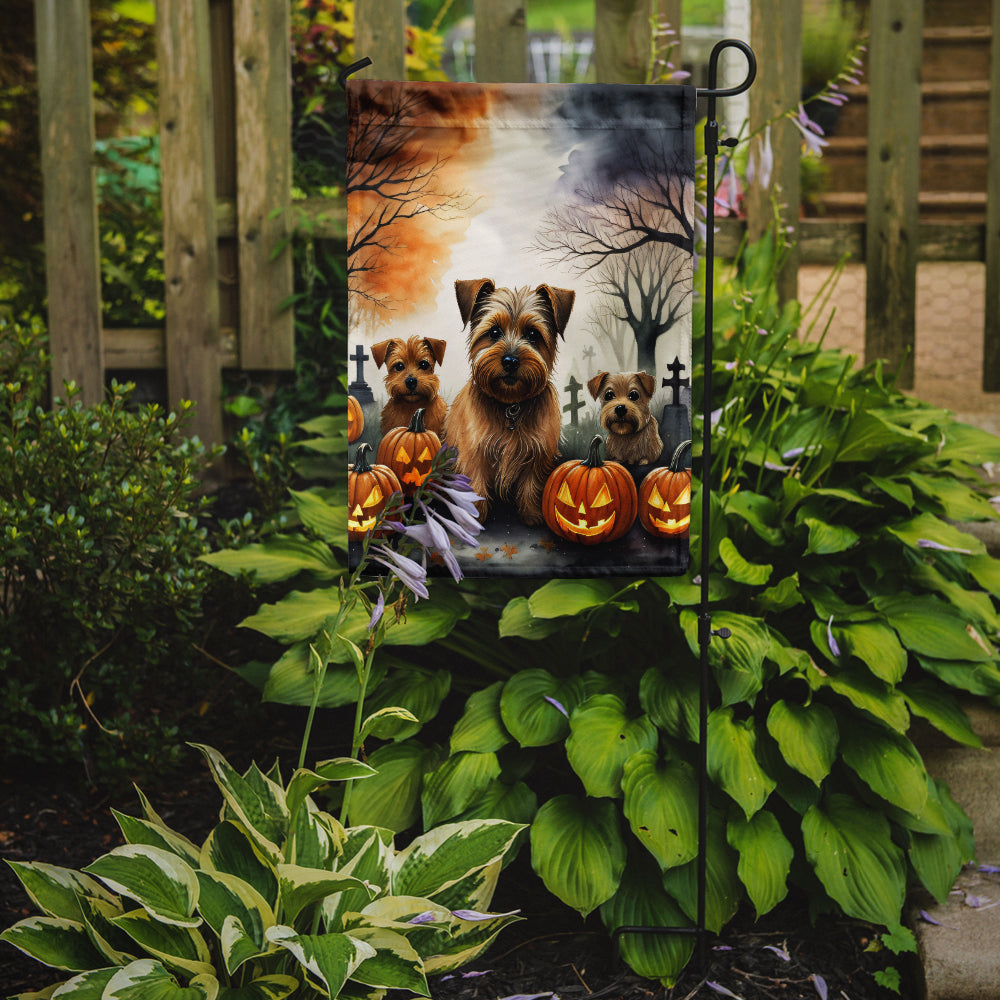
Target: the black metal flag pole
(705, 631)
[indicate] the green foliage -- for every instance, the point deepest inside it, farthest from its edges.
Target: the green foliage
(101, 587)
(280, 899)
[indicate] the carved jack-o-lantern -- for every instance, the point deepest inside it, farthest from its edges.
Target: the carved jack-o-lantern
(355, 419)
(368, 490)
(665, 500)
(590, 501)
(409, 452)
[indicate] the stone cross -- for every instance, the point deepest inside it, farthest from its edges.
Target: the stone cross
(359, 388)
(675, 381)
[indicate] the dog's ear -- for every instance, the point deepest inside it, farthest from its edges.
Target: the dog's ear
(381, 349)
(562, 304)
(597, 383)
(647, 382)
(436, 348)
(468, 293)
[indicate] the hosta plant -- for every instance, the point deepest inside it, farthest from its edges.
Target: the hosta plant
(279, 900)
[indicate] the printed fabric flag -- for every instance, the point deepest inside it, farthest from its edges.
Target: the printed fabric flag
(520, 262)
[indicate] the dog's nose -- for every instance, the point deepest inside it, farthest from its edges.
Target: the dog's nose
(411, 382)
(620, 410)
(510, 362)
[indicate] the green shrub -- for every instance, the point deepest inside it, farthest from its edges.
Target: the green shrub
(101, 584)
(279, 900)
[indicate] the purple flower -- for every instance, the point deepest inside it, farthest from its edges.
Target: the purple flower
(552, 701)
(820, 983)
(411, 574)
(831, 642)
(811, 132)
(719, 988)
(927, 543)
(427, 917)
(760, 166)
(780, 952)
(475, 915)
(377, 612)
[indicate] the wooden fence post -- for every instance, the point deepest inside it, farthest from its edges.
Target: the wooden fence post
(892, 213)
(622, 39)
(501, 41)
(72, 255)
(380, 34)
(776, 35)
(261, 57)
(991, 332)
(190, 251)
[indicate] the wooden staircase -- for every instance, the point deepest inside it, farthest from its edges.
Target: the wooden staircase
(955, 92)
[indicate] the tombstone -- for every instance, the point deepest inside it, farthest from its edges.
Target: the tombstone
(359, 388)
(675, 421)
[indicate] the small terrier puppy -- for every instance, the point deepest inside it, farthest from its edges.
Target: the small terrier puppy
(633, 437)
(411, 381)
(505, 421)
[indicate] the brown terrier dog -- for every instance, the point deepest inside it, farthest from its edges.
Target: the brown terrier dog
(411, 381)
(505, 420)
(633, 437)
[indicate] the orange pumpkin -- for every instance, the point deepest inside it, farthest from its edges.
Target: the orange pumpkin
(409, 452)
(590, 501)
(368, 490)
(665, 500)
(355, 419)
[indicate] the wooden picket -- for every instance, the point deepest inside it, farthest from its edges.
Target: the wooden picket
(226, 160)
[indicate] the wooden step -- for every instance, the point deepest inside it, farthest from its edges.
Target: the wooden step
(956, 206)
(945, 12)
(956, 53)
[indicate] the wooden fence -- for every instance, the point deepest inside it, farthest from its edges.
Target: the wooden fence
(226, 161)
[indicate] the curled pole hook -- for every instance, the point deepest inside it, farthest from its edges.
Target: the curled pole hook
(349, 70)
(713, 91)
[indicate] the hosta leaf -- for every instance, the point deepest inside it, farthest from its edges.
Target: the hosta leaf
(443, 856)
(530, 706)
(578, 851)
(322, 518)
(739, 569)
(466, 941)
(807, 736)
(738, 661)
(366, 856)
(850, 848)
(517, 620)
(395, 964)
(159, 881)
(965, 443)
(87, 986)
(937, 858)
(765, 858)
(941, 709)
(869, 436)
(888, 763)
(225, 897)
(275, 987)
(986, 571)
(758, 511)
(661, 806)
(330, 959)
(931, 628)
(928, 528)
(671, 700)
(723, 889)
(828, 539)
(301, 887)
(516, 803)
(54, 941)
(456, 784)
(785, 594)
(279, 558)
(56, 891)
(230, 849)
(147, 979)
(602, 738)
(419, 691)
(732, 760)
(304, 782)
(976, 678)
(141, 831)
(559, 598)
(391, 798)
(876, 646)
(292, 681)
(387, 723)
(299, 615)
(958, 502)
(481, 728)
(180, 948)
(866, 692)
(641, 901)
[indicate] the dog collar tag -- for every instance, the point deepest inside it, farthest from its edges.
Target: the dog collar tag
(512, 413)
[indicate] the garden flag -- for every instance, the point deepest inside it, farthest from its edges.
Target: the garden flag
(520, 262)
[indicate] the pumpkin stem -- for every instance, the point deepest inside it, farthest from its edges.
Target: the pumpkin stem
(361, 463)
(676, 457)
(593, 459)
(417, 422)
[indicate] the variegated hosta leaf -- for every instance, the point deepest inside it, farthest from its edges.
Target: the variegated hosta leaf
(765, 858)
(328, 959)
(642, 902)
(602, 737)
(147, 979)
(732, 760)
(256, 801)
(481, 727)
(86, 986)
(177, 947)
(661, 805)
(116, 947)
(300, 887)
(467, 941)
(395, 964)
(367, 853)
(441, 857)
(807, 736)
(56, 891)
(274, 987)
(476, 890)
(54, 941)
(578, 851)
(535, 706)
(850, 847)
(304, 782)
(141, 831)
(230, 849)
(315, 838)
(456, 784)
(225, 897)
(158, 880)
